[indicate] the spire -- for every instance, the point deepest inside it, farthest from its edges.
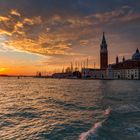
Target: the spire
(103, 44)
(123, 58)
(103, 53)
(137, 51)
(71, 67)
(103, 40)
(117, 60)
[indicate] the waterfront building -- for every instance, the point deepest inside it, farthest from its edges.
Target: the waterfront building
(125, 69)
(93, 73)
(98, 73)
(62, 75)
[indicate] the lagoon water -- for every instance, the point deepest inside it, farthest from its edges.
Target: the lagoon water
(51, 109)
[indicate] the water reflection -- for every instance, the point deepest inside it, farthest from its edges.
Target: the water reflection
(64, 109)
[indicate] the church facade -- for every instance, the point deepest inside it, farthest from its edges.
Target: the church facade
(125, 69)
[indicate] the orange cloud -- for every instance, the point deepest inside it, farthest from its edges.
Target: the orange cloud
(32, 21)
(15, 12)
(4, 32)
(3, 19)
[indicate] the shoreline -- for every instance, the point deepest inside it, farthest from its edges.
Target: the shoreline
(44, 77)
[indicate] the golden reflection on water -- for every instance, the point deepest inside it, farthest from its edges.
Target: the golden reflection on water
(29, 106)
(62, 109)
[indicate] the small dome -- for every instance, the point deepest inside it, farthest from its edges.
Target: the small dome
(136, 55)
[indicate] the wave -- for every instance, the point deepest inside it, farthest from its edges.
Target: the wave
(127, 108)
(116, 124)
(93, 132)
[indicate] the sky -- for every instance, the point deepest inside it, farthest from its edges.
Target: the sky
(47, 35)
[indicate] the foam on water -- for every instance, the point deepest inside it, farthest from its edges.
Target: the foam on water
(117, 119)
(93, 132)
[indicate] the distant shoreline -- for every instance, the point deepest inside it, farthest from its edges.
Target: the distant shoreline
(10, 76)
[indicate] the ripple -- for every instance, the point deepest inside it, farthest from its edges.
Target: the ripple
(40, 109)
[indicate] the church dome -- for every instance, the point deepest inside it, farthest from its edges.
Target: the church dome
(136, 55)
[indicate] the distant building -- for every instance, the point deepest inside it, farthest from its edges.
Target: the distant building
(62, 75)
(126, 69)
(67, 75)
(93, 73)
(103, 54)
(98, 73)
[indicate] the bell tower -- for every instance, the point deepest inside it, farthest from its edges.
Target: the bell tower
(103, 54)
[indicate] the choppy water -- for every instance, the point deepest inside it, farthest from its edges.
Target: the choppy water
(48, 109)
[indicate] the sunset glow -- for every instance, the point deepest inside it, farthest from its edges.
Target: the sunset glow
(49, 35)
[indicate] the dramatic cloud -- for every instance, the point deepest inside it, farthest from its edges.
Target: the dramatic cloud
(67, 29)
(15, 12)
(58, 35)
